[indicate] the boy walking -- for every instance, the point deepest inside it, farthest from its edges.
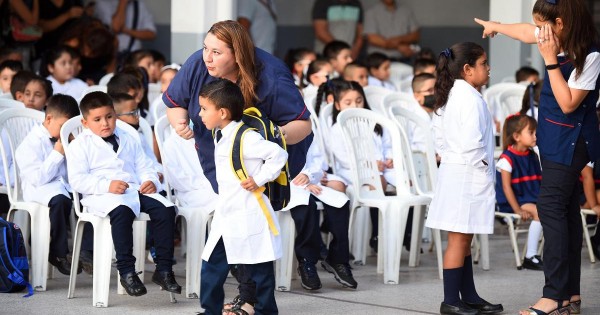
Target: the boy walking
(108, 166)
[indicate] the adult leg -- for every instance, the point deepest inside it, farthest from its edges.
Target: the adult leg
(212, 277)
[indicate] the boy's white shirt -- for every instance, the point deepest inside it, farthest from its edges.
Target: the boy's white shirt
(238, 218)
(42, 169)
(73, 87)
(92, 165)
(373, 81)
(185, 175)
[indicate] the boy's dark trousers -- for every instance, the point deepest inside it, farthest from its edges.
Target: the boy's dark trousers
(162, 220)
(337, 225)
(257, 283)
(307, 244)
(60, 209)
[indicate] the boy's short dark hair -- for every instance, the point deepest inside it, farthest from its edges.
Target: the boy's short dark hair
(13, 65)
(418, 80)
(333, 49)
(376, 59)
(525, 72)
(94, 100)
(46, 84)
(62, 105)
(355, 65)
(157, 55)
(421, 64)
(225, 94)
(122, 83)
(19, 82)
(121, 97)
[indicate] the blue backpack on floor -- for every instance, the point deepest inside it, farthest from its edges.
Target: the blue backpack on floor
(14, 268)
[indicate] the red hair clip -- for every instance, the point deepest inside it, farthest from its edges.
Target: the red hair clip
(513, 115)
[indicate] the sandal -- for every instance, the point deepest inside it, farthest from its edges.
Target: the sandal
(236, 305)
(559, 310)
(575, 307)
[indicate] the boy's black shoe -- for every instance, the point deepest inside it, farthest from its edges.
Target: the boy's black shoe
(460, 309)
(342, 273)
(166, 280)
(533, 263)
(132, 284)
(373, 243)
(485, 307)
(61, 263)
(86, 261)
(308, 275)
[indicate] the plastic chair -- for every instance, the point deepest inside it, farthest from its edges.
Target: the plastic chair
(284, 267)
(400, 99)
(325, 124)
(512, 221)
(15, 124)
(375, 96)
(196, 221)
(103, 244)
(367, 189)
(510, 101)
(586, 231)
(158, 108)
(423, 170)
(104, 80)
(90, 89)
(490, 94)
(154, 91)
(6, 96)
(7, 103)
(400, 71)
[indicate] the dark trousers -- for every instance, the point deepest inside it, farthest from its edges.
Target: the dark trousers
(60, 209)
(214, 272)
(162, 220)
(308, 238)
(338, 220)
(559, 211)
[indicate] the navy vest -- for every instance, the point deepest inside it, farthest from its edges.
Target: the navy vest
(557, 132)
(526, 176)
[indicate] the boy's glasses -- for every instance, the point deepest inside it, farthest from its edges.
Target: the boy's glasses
(135, 113)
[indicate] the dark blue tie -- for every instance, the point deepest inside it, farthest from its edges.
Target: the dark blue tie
(53, 140)
(219, 135)
(112, 139)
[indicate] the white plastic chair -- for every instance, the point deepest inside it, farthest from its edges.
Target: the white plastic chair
(490, 95)
(196, 222)
(104, 80)
(586, 231)
(404, 100)
(375, 96)
(325, 124)
(284, 270)
(365, 176)
(90, 89)
(399, 71)
(158, 108)
(6, 103)
(153, 91)
(423, 170)
(103, 244)
(15, 124)
(6, 96)
(510, 101)
(513, 222)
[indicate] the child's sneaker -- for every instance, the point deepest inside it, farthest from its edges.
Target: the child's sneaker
(308, 275)
(342, 273)
(533, 263)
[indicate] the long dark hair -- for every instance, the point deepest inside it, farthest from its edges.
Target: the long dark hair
(578, 34)
(343, 87)
(532, 93)
(450, 67)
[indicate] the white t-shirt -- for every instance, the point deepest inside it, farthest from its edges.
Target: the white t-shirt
(263, 27)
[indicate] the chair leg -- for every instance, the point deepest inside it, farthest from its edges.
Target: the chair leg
(40, 248)
(485, 252)
(586, 238)
(75, 258)
(359, 235)
(284, 265)
(417, 230)
(103, 248)
(21, 218)
(513, 242)
(395, 226)
(437, 239)
(139, 251)
(195, 245)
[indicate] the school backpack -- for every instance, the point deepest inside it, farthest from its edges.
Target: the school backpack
(14, 268)
(278, 190)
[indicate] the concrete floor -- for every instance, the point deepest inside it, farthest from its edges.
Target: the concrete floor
(419, 292)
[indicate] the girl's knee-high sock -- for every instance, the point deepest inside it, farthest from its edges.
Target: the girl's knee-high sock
(533, 238)
(467, 288)
(452, 284)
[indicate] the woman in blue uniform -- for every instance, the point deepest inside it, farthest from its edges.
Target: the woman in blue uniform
(567, 134)
(266, 83)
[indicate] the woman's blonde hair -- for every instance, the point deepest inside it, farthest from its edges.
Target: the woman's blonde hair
(236, 37)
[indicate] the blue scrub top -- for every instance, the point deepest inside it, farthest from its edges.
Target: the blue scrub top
(278, 98)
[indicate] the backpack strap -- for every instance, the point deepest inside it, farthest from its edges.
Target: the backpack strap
(239, 169)
(15, 275)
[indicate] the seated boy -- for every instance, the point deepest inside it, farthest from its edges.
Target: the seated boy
(37, 91)
(379, 71)
(241, 232)
(424, 65)
(358, 72)
(339, 54)
(41, 161)
(108, 167)
(423, 89)
(8, 69)
(18, 83)
(527, 75)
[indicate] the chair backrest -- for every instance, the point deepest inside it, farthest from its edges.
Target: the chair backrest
(490, 95)
(317, 131)
(158, 109)
(324, 123)
(15, 125)
(162, 131)
(153, 91)
(404, 100)
(6, 96)
(104, 80)
(406, 85)
(90, 89)
(356, 123)
(71, 127)
(510, 101)
(375, 96)
(6, 103)
(399, 71)
(424, 162)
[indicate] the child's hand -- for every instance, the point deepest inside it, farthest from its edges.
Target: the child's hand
(249, 184)
(147, 187)
(183, 129)
(524, 214)
(380, 166)
(487, 28)
(160, 177)
(389, 163)
(315, 189)
(596, 209)
(324, 179)
(301, 180)
(58, 147)
(118, 187)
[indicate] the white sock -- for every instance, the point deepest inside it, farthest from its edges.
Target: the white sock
(533, 238)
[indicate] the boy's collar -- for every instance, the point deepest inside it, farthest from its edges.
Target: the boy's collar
(230, 128)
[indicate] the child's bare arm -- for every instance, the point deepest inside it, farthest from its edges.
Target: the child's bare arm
(510, 195)
(589, 189)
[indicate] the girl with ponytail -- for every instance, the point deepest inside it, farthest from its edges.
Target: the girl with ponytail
(464, 200)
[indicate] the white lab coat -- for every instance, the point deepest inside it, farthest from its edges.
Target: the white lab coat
(182, 169)
(6, 144)
(238, 218)
(464, 194)
(42, 170)
(93, 164)
(73, 87)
